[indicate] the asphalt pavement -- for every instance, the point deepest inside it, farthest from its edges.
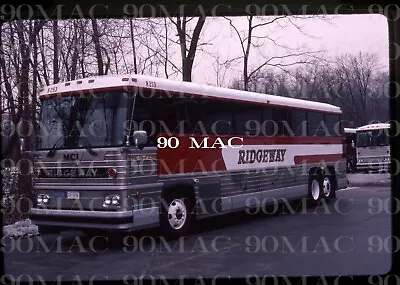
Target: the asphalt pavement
(348, 236)
(369, 179)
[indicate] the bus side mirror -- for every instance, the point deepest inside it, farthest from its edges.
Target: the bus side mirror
(139, 138)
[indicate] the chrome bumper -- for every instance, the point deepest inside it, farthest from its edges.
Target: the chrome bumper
(106, 220)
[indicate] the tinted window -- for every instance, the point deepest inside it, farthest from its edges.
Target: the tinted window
(333, 124)
(247, 119)
(268, 126)
(299, 119)
(316, 124)
(217, 117)
(283, 121)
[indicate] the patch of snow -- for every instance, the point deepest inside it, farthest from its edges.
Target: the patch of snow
(21, 228)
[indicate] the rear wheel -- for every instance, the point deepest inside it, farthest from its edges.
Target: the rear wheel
(177, 218)
(315, 190)
(328, 187)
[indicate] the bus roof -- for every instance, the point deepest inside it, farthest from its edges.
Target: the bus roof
(110, 82)
(350, 130)
(378, 126)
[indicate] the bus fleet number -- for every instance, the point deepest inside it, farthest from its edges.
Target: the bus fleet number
(151, 84)
(52, 89)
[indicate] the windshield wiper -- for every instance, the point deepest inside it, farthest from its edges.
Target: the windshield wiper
(53, 149)
(88, 147)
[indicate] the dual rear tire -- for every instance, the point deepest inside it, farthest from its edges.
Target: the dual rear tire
(321, 187)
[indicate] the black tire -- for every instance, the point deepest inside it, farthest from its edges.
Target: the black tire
(177, 219)
(329, 187)
(315, 192)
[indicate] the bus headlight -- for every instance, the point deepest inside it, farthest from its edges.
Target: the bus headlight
(42, 198)
(111, 200)
(115, 200)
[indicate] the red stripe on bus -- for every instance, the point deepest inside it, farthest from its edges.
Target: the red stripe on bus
(187, 160)
(315, 158)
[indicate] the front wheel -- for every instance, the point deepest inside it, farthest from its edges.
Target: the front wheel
(177, 218)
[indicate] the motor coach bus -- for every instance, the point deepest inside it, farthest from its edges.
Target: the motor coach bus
(372, 147)
(127, 152)
(350, 141)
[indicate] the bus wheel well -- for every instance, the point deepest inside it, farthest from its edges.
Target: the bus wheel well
(329, 170)
(315, 171)
(322, 171)
(182, 191)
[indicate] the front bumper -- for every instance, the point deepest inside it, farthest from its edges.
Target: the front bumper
(373, 166)
(104, 220)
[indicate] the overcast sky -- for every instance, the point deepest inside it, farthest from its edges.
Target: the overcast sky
(340, 34)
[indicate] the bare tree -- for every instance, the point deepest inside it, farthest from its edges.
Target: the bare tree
(356, 74)
(56, 35)
(249, 41)
(97, 46)
(220, 68)
(188, 53)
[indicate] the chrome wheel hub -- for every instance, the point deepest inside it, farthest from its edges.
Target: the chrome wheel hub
(177, 214)
(326, 186)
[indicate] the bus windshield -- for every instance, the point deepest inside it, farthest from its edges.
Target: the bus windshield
(372, 138)
(75, 121)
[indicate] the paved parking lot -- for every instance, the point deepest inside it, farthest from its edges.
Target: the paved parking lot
(347, 236)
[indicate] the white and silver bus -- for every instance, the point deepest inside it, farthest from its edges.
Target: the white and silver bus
(127, 152)
(372, 147)
(350, 149)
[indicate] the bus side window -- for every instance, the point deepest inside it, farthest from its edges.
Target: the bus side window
(331, 120)
(316, 124)
(218, 117)
(143, 117)
(299, 123)
(283, 121)
(247, 120)
(268, 126)
(194, 108)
